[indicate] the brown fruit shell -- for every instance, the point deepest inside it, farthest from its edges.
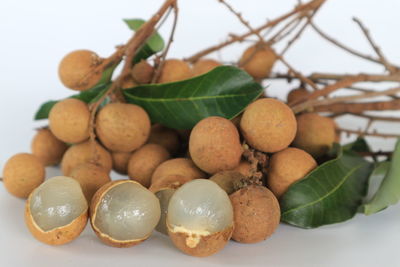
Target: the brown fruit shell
(206, 245)
(57, 236)
(93, 210)
(256, 214)
(169, 182)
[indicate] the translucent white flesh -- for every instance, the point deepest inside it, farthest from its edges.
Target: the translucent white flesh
(164, 196)
(200, 206)
(128, 211)
(57, 202)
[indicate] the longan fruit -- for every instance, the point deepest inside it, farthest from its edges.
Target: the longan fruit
(91, 177)
(142, 72)
(83, 153)
(69, 120)
(144, 161)
(204, 65)
(22, 174)
(214, 145)
(256, 214)
(315, 134)
(174, 70)
(168, 138)
(296, 95)
(77, 70)
(122, 127)
(258, 60)
(287, 167)
(268, 125)
(179, 166)
(120, 161)
(229, 181)
(47, 148)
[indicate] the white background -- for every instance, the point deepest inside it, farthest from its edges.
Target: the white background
(36, 34)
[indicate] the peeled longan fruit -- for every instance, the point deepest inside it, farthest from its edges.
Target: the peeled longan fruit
(22, 174)
(91, 177)
(144, 161)
(200, 218)
(204, 65)
(214, 145)
(256, 212)
(77, 70)
(179, 166)
(83, 153)
(258, 60)
(122, 127)
(287, 167)
(244, 168)
(47, 148)
(69, 120)
(315, 134)
(268, 125)
(174, 70)
(229, 181)
(124, 213)
(56, 212)
(120, 161)
(168, 138)
(142, 72)
(297, 94)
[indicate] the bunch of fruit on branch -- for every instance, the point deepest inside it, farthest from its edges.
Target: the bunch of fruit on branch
(207, 156)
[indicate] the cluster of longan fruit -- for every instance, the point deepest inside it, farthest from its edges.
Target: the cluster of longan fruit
(194, 185)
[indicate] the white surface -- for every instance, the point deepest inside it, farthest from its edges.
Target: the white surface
(36, 34)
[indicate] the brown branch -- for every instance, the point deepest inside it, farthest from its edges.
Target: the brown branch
(369, 77)
(241, 19)
(362, 133)
(376, 118)
(308, 6)
(159, 66)
(288, 28)
(356, 108)
(376, 48)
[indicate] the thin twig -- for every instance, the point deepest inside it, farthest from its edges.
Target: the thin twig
(376, 48)
(362, 133)
(298, 74)
(356, 108)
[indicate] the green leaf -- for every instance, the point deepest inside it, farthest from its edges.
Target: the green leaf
(360, 145)
(224, 91)
(389, 190)
(154, 44)
(88, 96)
(331, 193)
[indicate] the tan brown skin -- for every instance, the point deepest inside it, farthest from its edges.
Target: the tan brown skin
(204, 65)
(169, 182)
(82, 153)
(179, 166)
(229, 181)
(22, 173)
(256, 214)
(244, 168)
(122, 127)
(207, 246)
(174, 70)
(315, 134)
(168, 138)
(128, 82)
(47, 148)
(144, 161)
(268, 125)
(93, 210)
(91, 177)
(57, 236)
(77, 70)
(120, 161)
(142, 72)
(69, 121)
(236, 121)
(287, 167)
(214, 145)
(297, 95)
(258, 60)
